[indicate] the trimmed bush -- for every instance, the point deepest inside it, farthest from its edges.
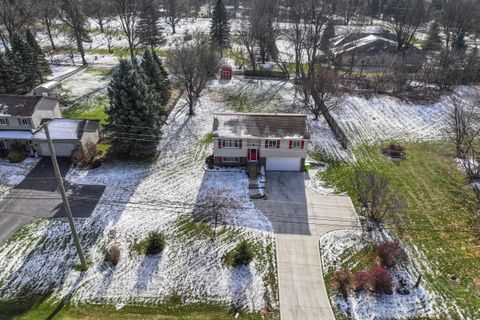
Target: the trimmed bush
(391, 253)
(242, 255)
(361, 281)
(113, 254)
(380, 281)
(342, 281)
(16, 156)
(156, 243)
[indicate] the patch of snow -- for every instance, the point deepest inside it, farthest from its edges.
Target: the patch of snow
(12, 174)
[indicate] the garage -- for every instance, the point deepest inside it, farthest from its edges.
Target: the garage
(283, 164)
(62, 149)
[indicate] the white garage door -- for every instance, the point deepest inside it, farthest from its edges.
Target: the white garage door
(283, 164)
(61, 149)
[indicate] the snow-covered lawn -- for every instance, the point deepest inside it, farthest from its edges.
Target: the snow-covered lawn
(58, 71)
(12, 174)
(85, 82)
(138, 199)
(337, 247)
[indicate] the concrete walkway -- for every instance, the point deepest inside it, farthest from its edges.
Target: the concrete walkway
(299, 217)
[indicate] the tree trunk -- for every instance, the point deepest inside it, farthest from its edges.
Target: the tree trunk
(131, 49)
(48, 25)
(80, 48)
(100, 24)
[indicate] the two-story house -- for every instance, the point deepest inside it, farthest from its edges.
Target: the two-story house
(21, 117)
(277, 141)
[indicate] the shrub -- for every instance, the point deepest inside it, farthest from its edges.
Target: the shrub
(241, 255)
(88, 157)
(391, 253)
(380, 280)
(209, 161)
(394, 150)
(16, 156)
(342, 281)
(155, 244)
(113, 254)
(3, 153)
(361, 281)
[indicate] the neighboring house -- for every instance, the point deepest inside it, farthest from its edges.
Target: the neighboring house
(21, 117)
(67, 135)
(48, 89)
(373, 50)
(277, 141)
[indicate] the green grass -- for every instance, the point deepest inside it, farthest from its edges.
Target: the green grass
(41, 308)
(438, 197)
(89, 110)
(124, 52)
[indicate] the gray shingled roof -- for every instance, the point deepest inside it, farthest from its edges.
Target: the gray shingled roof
(16, 105)
(261, 125)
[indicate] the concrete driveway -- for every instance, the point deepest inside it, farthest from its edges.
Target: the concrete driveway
(299, 217)
(37, 197)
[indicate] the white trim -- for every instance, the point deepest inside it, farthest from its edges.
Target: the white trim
(272, 146)
(234, 143)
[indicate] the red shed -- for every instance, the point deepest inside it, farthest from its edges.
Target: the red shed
(226, 73)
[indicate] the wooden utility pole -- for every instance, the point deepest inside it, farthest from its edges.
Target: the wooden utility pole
(61, 189)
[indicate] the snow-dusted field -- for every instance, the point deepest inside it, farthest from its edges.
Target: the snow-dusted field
(139, 199)
(12, 174)
(85, 82)
(337, 246)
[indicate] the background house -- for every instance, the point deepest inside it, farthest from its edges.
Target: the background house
(48, 89)
(276, 141)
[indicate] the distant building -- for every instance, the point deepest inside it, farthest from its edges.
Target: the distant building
(48, 89)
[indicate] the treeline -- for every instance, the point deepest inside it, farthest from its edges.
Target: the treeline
(23, 65)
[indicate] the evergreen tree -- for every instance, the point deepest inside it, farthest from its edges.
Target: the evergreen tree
(155, 78)
(159, 62)
(42, 67)
(433, 42)
(24, 58)
(220, 28)
(149, 34)
(134, 115)
(11, 79)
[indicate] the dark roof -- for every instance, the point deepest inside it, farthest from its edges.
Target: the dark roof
(260, 125)
(16, 105)
(91, 125)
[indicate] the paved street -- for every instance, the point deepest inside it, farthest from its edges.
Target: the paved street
(36, 196)
(299, 217)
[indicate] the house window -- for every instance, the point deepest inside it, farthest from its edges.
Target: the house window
(272, 144)
(230, 143)
(25, 122)
(3, 121)
(296, 144)
(230, 159)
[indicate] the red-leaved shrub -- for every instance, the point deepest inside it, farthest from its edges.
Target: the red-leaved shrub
(342, 281)
(380, 280)
(361, 281)
(391, 253)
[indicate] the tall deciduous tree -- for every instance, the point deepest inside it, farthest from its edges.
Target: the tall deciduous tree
(47, 12)
(129, 13)
(134, 115)
(149, 33)
(72, 15)
(192, 64)
(173, 12)
(220, 27)
(155, 77)
(15, 15)
(458, 17)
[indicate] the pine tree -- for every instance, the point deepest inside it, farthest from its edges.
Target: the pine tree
(155, 78)
(42, 67)
(433, 42)
(158, 61)
(11, 79)
(220, 28)
(149, 33)
(23, 57)
(134, 115)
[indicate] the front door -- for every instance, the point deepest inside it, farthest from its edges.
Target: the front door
(252, 154)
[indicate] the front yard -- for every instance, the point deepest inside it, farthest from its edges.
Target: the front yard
(438, 229)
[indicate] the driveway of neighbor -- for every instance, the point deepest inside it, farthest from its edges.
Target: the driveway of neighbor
(299, 217)
(37, 197)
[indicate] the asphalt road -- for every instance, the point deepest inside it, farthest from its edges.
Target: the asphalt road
(37, 197)
(299, 217)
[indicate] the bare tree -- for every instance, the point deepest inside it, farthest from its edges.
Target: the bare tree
(192, 64)
(215, 206)
(72, 15)
(324, 88)
(174, 10)
(458, 17)
(98, 10)
(404, 18)
(15, 15)
(463, 124)
(379, 202)
(47, 12)
(246, 36)
(128, 11)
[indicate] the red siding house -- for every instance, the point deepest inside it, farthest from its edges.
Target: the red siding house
(277, 141)
(226, 73)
